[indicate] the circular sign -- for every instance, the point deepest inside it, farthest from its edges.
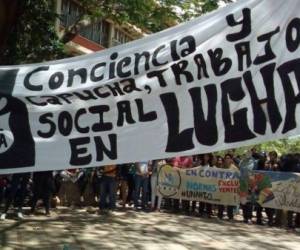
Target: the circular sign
(169, 181)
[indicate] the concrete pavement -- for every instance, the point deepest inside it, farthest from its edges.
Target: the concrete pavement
(74, 229)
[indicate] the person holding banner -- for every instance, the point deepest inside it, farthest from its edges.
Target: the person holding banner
(248, 164)
(220, 162)
(261, 165)
(154, 175)
(197, 161)
(131, 183)
(168, 202)
(272, 164)
(206, 163)
(182, 162)
(290, 164)
(227, 164)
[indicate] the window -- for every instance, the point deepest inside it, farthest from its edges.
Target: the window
(120, 37)
(70, 13)
(96, 32)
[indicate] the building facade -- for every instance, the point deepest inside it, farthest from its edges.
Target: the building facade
(95, 36)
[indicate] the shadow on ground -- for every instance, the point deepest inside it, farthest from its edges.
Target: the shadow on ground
(77, 229)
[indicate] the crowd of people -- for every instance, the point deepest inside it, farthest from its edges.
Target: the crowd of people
(134, 185)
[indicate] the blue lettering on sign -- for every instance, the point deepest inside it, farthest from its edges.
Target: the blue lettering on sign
(191, 172)
(208, 173)
(196, 186)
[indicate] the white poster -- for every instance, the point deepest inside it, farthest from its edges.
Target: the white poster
(206, 184)
(224, 80)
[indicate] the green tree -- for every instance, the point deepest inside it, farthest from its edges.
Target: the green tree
(150, 15)
(282, 146)
(27, 31)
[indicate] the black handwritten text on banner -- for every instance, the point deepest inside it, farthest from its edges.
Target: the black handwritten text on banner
(223, 80)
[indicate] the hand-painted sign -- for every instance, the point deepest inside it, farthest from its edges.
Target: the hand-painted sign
(227, 79)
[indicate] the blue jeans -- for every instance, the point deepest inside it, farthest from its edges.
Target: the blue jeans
(108, 188)
(141, 182)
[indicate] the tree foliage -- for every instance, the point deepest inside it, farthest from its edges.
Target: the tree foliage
(27, 31)
(282, 146)
(152, 15)
(32, 36)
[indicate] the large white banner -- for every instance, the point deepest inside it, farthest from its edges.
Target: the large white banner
(227, 79)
